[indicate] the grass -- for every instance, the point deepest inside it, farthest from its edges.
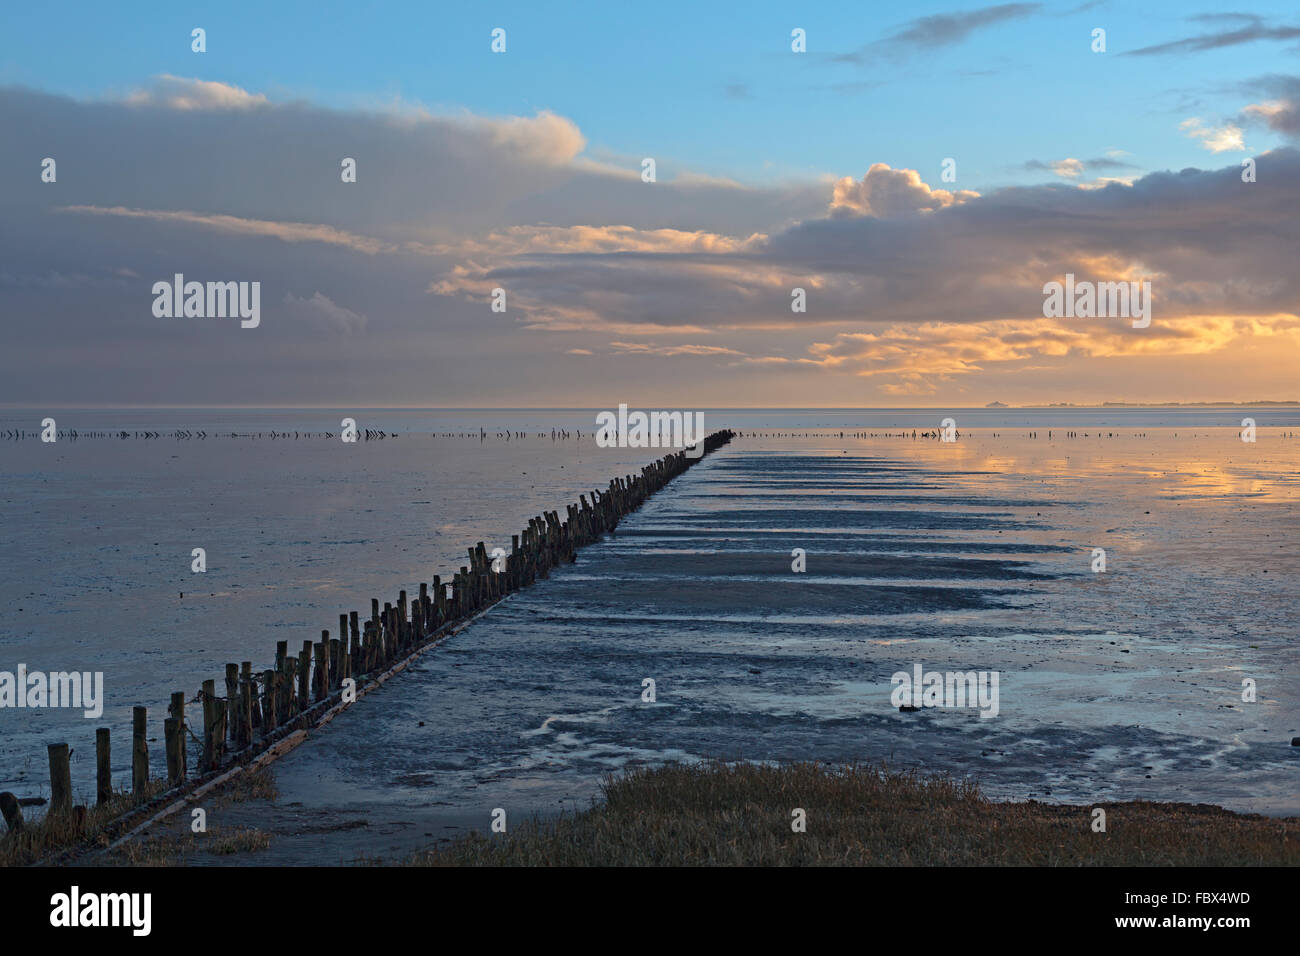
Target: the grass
(721, 814)
(250, 785)
(238, 840)
(51, 834)
(174, 849)
(55, 832)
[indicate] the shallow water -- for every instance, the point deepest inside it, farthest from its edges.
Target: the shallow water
(967, 556)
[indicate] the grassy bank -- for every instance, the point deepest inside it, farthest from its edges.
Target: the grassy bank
(52, 833)
(741, 815)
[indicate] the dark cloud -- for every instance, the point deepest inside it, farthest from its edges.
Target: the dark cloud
(946, 28)
(1217, 244)
(220, 185)
(1249, 29)
(392, 273)
(1282, 113)
(939, 30)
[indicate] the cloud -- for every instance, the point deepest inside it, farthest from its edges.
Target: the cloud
(943, 29)
(1068, 168)
(1217, 139)
(939, 30)
(642, 348)
(660, 280)
(546, 137)
(1248, 29)
(285, 231)
(566, 240)
(322, 309)
(1073, 169)
(179, 93)
(887, 193)
(1281, 114)
(1208, 242)
(420, 175)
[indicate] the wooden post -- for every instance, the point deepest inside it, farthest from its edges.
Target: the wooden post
(284, 706)
(219, 733)
(304, 677)
(12, 811)
(343, 669)
(271, 694)
(327, 674)
(291, 704)
(232, 695)
(173, 736)
(321, 682)
(60, 779)
(209, 725)
(139, 751)
(335, 663)
(103, 768)
(388, 634)
(177, 710)
(354, 630)
(368, 648)
(246, 695)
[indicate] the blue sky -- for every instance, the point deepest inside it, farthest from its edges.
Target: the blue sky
(713, 90)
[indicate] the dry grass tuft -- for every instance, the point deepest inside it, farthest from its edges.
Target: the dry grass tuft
(250, 785)
(238, 840)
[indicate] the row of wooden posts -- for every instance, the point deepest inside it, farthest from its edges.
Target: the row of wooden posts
(288, 695)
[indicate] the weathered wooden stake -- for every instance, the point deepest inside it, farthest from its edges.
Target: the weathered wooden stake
(12, 811)
(177, 709)
(291, 675)
(304, 677)
(60, 779)
(271, 694)
(219, 732)
(232, 694)
(247, 693)
(209, 724)
(103, 768)
(139, 751)
(343, 666)
(174, 738)
(321, 682)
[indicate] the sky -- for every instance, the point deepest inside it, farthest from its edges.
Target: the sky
(920, 172)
